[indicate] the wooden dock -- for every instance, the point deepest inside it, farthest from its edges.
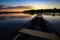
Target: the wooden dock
(37, 28)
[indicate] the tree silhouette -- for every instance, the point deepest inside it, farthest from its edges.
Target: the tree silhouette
(55, 10)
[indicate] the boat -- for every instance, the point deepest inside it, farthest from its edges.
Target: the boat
(36, 29)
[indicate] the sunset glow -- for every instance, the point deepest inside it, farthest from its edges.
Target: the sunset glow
(21, 5)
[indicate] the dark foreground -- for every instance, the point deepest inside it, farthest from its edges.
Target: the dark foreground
(37, 24)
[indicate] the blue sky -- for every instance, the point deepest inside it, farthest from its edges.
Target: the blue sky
(36, 3)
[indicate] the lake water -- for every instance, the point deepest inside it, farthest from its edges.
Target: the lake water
(11, 22)
(54, 19)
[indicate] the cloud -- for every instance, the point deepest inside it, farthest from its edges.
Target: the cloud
(16, 8)
(10, 7)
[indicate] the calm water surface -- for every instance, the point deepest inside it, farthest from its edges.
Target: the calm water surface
(11, 22)
(54, 19)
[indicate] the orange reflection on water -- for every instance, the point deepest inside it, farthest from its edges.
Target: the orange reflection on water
(16, 15)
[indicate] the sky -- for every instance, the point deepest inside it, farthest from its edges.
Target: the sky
(35, 4)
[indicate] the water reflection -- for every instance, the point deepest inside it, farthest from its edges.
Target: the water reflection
(11, 22)
(52, 14)
(54, 19)
(15, 15)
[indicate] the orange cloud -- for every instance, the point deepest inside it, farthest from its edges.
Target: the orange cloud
(15, 9)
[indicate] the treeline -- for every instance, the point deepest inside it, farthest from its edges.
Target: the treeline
(55, 10)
